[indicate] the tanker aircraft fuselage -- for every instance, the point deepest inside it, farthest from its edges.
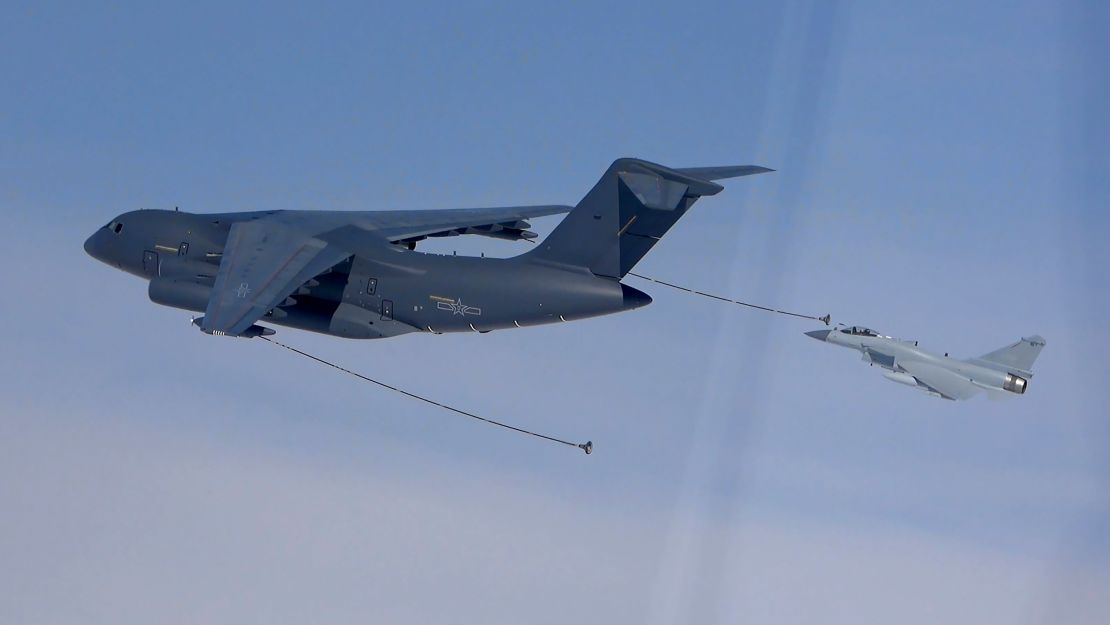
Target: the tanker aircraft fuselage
(358, 274)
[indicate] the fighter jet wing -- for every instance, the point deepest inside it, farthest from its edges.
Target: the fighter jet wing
(501, 223)
(947, 383)
(263, 262)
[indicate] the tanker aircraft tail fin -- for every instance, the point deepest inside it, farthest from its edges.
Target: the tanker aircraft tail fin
(633, 205)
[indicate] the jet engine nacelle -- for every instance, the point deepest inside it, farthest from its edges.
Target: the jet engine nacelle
(182, 267)
(179, 293)
(1014, 384)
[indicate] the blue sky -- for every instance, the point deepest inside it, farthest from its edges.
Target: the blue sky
(938, 178)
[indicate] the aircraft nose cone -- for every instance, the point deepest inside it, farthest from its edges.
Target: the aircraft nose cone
(96, 246)
(820, 335)
(90, 245)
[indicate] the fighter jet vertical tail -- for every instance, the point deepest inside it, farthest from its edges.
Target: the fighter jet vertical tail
(1018, 356)
(633, 205)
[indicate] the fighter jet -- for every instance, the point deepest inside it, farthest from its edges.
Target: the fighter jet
(358, 274)
(1007, 369)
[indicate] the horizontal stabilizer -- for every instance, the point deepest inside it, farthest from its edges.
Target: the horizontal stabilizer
(722, 172)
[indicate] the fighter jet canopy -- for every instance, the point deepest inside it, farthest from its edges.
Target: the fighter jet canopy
(859, 331)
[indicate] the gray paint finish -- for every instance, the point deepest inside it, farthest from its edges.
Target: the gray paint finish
(358, 275)
(1008, 369)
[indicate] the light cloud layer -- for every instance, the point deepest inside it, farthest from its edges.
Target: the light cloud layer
(116, 524)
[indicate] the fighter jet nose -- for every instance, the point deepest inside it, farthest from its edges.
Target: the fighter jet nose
(820, 335)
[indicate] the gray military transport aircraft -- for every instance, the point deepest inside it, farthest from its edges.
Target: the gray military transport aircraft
(358, 274)
(1007, 369)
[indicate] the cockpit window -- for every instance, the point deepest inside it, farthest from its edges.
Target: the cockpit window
(115, 226)
(858, 331)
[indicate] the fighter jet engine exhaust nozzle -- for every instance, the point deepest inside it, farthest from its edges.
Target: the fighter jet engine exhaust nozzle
(1015, 384)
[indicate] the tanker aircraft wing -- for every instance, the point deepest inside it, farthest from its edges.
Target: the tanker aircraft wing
(500, 223)
(263, 263)
(266, 260)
